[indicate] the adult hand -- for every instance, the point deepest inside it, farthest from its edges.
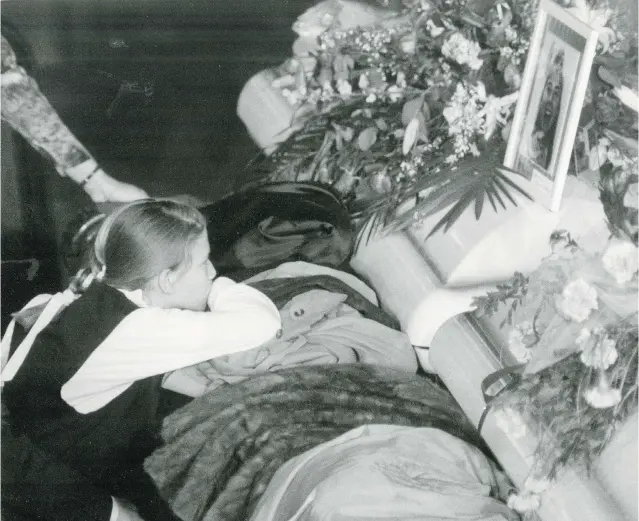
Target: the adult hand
(126, 512)
(101, 187)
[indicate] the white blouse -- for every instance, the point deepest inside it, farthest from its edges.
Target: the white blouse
(151, 341)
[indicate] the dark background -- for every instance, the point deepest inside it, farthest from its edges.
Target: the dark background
(182, 136)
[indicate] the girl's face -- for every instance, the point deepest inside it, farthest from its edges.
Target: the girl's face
(189, 285)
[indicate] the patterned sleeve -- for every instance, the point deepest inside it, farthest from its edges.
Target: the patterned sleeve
(29, 112)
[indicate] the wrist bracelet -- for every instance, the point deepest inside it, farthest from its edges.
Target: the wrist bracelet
(91, 174)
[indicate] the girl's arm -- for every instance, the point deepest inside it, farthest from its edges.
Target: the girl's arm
(152, 341)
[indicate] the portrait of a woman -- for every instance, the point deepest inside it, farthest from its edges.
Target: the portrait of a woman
(545, 127)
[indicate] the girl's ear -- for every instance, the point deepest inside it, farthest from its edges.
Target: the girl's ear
(166, 281)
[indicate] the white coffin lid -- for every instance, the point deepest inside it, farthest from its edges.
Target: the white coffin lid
(516, 239)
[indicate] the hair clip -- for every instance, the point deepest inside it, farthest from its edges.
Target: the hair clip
(99, 276)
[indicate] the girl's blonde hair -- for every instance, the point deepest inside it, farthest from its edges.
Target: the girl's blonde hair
(140, 239)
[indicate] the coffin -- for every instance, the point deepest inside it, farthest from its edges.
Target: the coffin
(429, 285)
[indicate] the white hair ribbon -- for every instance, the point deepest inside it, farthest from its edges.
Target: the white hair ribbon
(55, 304)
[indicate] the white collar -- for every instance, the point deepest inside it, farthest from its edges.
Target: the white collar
(134, 296)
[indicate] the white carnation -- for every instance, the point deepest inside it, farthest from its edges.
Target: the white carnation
(510, 422)
(394, 92)
(577, 300)
(598, 350)
(408, 44)
(462, 50)
(401, 79)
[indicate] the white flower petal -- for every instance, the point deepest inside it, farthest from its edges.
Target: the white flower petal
(524, 502)
(536, 485)
(621, 260)
(602, 397)
(577, 300)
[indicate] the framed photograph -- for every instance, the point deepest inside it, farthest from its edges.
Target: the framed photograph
(550, 100)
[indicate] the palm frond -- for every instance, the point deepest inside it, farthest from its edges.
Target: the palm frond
(471, 183)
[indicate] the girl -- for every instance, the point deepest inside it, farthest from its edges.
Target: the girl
(87, 387)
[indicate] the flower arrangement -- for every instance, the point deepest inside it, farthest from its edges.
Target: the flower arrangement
(573, 329)
(415, 104)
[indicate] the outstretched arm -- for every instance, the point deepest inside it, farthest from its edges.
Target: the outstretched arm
(29, 112)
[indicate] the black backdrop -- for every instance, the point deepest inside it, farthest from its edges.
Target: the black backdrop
(180, 135)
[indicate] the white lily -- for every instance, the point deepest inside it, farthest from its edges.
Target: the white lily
(595, 18)
(494, 111)
(628, 97)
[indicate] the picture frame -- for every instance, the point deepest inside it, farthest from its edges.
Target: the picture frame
(542, 136)
(584, 141)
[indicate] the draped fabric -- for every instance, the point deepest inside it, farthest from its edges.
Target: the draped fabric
(388, 473)
(221, 450)
(324, 321)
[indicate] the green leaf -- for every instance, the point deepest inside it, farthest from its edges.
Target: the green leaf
(450, 215)
(479, 205)
(456, 212)
(500, 186)
(489, 194)
(473, 19)
(411, 109)
(426, 111)
(422, 133)
(512, 184)
(410, 136)
(325, 76)
(498, 197)
(474, 185)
